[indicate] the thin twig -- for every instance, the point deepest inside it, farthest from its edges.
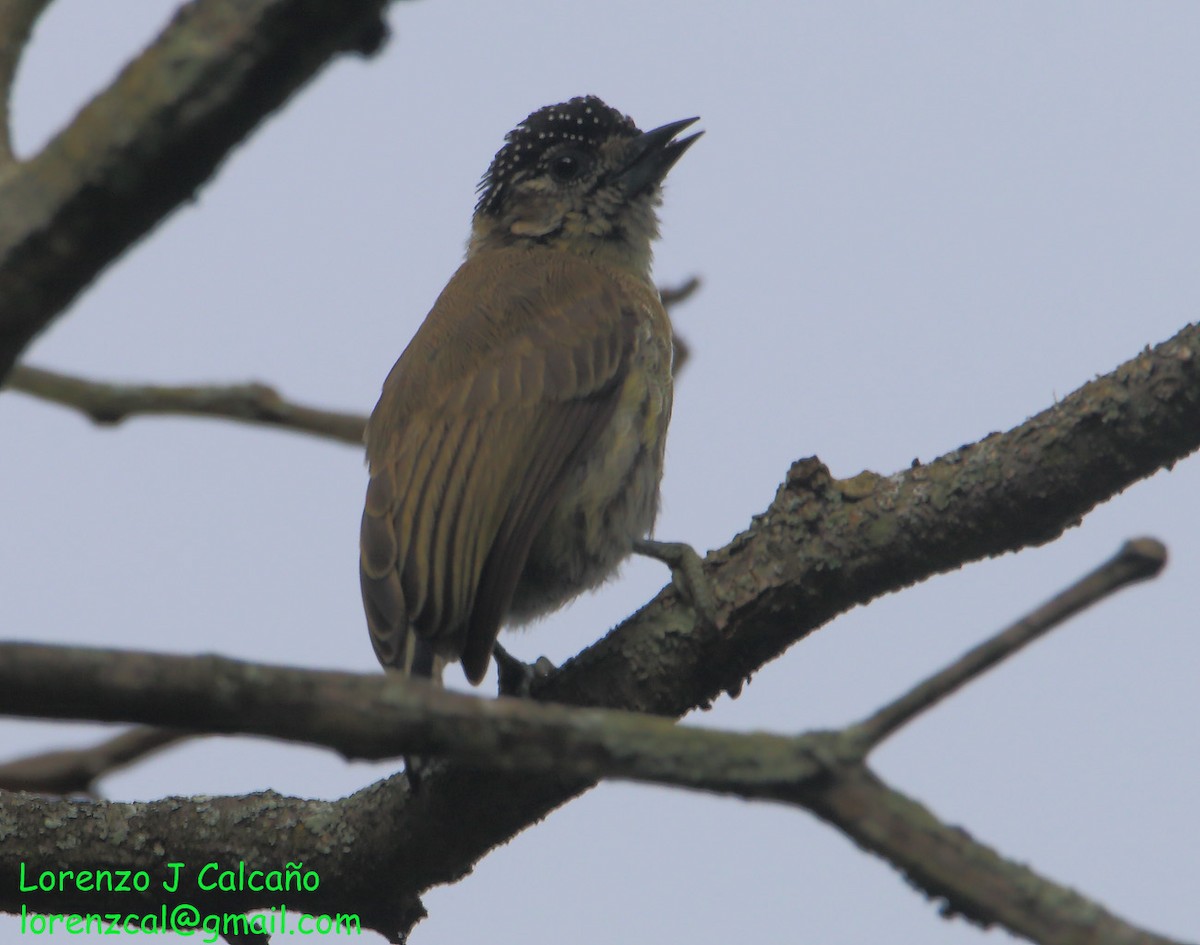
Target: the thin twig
(670, 298)
(674, 295)
(1137, 560)
(109, 403)
(75, 771)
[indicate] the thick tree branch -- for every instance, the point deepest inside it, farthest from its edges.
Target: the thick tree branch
(342, 842)
(345, 841)
(821, 547)
(109, 403)
(971, 879)
(17, 18)
(146, 143)
(378, 717)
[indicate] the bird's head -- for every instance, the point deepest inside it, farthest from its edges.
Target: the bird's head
(582, 177)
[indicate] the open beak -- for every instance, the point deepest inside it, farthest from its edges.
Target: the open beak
(653, 153)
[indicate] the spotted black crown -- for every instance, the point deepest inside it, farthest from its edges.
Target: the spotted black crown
(585, 119)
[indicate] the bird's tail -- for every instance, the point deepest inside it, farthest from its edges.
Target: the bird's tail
(419, 659)
(396, 646)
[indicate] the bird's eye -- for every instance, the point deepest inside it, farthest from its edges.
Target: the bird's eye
(567, 165)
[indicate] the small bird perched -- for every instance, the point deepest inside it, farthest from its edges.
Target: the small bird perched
(516, 450)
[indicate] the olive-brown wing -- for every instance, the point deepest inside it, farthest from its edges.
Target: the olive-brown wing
(460, 488)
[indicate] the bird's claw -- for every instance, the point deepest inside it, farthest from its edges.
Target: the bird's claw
(515, 677)
(687, 574)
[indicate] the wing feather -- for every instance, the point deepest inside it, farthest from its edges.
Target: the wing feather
(480, 423)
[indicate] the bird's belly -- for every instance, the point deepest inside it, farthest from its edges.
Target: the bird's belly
(610, 501)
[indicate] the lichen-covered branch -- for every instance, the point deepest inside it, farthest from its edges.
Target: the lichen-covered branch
(822, 547)
(378, 717)
(966, 877)
(146, 143)
(373, 716)
(341, 842)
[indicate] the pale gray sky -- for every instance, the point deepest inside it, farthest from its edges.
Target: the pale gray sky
(916, 223)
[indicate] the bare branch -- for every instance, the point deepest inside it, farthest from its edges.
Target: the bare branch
(75, 771)
(17, 18)
(376, 716)
(1138, 560)
(670, 298)
(970, 879)
(109, 403)
(360, 716)
(822, 547)
(675, 295)
(152, 138)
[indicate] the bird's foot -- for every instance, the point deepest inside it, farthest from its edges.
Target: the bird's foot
(687, 574)
(417, 769)
(516, 678)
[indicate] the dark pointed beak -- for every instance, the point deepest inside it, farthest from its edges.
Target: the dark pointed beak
(653, 153)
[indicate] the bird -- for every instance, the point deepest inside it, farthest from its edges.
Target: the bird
(516, 451)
